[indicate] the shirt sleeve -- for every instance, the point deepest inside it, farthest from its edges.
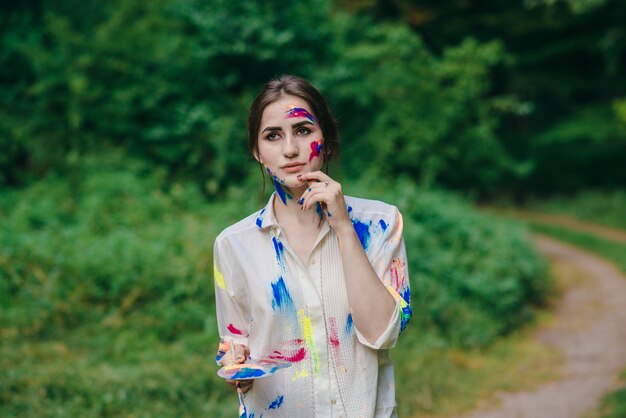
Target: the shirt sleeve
(232, 322)
(390, 264)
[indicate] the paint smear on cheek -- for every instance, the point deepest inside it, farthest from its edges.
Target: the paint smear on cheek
(316, 148)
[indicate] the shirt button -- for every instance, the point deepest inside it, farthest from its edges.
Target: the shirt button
(334, 402)
(313, 261)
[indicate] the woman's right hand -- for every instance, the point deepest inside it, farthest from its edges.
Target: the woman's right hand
(237, 355)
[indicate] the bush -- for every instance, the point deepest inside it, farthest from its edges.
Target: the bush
(474, 277)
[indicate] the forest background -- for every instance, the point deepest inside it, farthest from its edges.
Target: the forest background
(123, 154)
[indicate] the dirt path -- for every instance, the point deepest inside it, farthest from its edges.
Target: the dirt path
(590, 330)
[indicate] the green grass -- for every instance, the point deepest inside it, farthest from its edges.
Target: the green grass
(605, 208)
(610, 250)
(95, 371)
(614, 404)
(438, 382)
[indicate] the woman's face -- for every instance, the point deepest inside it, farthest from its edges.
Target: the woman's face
(290, 140)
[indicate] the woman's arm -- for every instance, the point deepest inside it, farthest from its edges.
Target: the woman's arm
(371, 304)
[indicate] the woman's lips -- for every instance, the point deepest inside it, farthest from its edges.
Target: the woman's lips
(292, 168)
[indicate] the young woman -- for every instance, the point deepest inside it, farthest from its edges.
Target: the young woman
(315, 277)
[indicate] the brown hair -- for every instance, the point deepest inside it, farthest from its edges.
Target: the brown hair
(289, 85)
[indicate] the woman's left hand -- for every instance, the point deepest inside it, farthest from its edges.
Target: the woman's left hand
(327, 192)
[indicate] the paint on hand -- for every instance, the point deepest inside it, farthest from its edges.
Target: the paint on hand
(276, 403)
(299, 112)
(219, 277)
(235, 330)
(223, 348)
(307, 330)
(281, 300)
(316, 147)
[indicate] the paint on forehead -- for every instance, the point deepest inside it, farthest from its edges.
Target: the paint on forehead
(316, 147)
(276, 403)
(281, 299)
(299, 112)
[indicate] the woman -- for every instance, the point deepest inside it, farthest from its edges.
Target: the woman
(316, 278)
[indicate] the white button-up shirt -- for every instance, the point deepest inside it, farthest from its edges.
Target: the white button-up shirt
(269, 300)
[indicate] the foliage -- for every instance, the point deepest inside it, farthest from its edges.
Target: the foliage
(473, 277)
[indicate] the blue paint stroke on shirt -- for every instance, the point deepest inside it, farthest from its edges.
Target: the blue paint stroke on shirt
(276, 403)
(259, 219)
(363, 231)
(349, 324)
(281, 298)
(279, 249)
(383, 225)
(349, 208)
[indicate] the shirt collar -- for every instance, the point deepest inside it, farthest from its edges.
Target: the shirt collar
(266, 218)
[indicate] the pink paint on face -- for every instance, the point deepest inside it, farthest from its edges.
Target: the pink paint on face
(316, 147)
(234, 330)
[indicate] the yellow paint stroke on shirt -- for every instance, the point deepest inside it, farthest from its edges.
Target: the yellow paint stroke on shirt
(300, 374)
(307, 330)
(219, 277)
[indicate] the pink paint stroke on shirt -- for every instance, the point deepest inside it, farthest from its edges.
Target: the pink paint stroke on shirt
(316, 147)
(397, 273)
(234, 330)
(297, 357)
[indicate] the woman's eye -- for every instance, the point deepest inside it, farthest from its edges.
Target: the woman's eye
(303, 131)
(272, 136)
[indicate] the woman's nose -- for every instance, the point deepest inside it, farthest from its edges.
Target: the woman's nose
(290, 147)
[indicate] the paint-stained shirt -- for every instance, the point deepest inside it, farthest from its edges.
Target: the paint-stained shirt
(280, 308)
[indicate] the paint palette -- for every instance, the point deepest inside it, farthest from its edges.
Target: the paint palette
(252, 369)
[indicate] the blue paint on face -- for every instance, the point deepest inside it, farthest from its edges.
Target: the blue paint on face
(281, 299)
(383, 225)
(276, 403)
(349, 324)
(363, 232)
